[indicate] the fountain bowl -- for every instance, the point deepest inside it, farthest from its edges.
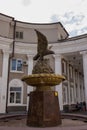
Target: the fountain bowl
(43, 79)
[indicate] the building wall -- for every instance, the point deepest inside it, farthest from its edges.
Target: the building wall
(29, 34)
(19, 75)
(5, 23)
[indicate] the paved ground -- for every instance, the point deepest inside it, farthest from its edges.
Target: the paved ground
(84, 127)
(22, 123)
(67, 124)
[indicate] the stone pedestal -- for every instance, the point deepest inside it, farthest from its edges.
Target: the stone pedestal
(43, 109)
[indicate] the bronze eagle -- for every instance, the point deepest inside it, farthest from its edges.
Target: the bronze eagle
(42, 47)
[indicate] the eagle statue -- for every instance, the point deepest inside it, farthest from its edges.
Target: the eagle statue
(42, 47)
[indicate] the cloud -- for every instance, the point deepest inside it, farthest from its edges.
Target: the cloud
(68, 18)
(82, 31)
(26, 2)
(54, 18)
(72, 18)
(74, 23)
(73, 33)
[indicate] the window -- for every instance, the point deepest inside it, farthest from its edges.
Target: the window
(16, 65)
(15, 94)
(19, 35)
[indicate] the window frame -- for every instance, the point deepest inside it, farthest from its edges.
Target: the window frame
(16, 65)
(16, 83)
(14, 103)
(15, 95)
(19, 34)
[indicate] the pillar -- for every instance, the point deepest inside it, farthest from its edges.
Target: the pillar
(84, 53)
(58, 70)
(30, 68)
(82, 90)
(74, 87)
(4, 81)
(79, 97)
(68, 76)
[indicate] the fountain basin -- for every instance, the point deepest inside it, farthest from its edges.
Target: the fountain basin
(42, 79)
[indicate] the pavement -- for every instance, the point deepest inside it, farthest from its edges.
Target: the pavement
(67, 124)
(84, 127)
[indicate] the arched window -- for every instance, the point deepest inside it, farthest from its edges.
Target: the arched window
(15, 92)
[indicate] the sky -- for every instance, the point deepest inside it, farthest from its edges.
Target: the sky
(71, 13)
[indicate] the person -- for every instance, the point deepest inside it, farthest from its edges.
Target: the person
(78, 106)
(84, 106)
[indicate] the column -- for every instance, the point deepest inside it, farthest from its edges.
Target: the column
(58, 70)
(74, 86)
(79, 98)
(30, 68)
(85, 73)
(82, 91)
(4, 81)
(69, 101)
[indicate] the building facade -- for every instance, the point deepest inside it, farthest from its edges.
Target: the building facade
(18, 46)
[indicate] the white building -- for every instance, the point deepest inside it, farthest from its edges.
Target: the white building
(18, 43)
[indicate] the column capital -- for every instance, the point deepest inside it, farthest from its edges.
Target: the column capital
(83, 52)
(6, 52)
(56, 56)
(30, 56)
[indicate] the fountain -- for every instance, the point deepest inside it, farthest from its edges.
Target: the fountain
(43, 108)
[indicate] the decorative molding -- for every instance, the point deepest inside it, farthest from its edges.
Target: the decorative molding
(58, 48)
(70, 46)
(30, 56)
(6, 52)
(83, 52)
(6, 40)
(5, 44)
(15, 83)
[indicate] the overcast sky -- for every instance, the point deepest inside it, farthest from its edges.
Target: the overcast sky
(71, 13)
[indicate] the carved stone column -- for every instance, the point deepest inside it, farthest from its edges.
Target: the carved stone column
(4, 81)
(84, 53)
(58, 70)
(30, 68)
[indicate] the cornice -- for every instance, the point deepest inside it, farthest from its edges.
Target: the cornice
(70, 46)
(59, 48)
(6, 40)
(5, 43)
(23, 48)
(84, 52)
(5, 18)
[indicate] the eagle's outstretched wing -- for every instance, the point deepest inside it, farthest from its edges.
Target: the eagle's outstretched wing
(42, 46)
(42, 42)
